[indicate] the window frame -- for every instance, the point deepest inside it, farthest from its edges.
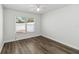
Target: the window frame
(25, 26)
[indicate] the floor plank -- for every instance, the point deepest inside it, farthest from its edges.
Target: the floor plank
(35, 45)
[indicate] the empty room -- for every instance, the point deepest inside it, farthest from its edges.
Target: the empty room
(39, 28)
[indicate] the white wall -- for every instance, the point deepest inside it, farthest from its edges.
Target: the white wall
(62, 25)
(9, 25)
(1, 27)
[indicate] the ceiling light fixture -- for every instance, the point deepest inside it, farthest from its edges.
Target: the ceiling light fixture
(38, 7)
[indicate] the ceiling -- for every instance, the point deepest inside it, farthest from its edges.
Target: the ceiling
(32, 7)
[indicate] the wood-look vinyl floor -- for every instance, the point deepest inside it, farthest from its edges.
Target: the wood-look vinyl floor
(35, 45)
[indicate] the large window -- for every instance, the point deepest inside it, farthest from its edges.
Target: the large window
(24, 24)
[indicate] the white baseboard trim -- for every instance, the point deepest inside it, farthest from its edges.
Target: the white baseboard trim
(16, 39)
(27, 37)
(59, 41)
(1, 47)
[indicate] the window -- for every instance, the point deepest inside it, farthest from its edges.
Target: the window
(24, 24)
